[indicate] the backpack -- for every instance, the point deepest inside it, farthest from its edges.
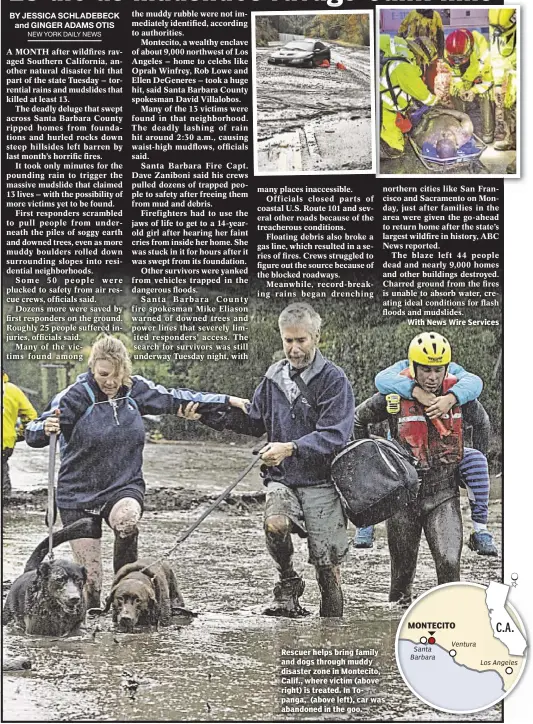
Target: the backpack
(375, 478)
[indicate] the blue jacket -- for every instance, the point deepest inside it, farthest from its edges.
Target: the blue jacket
(286, 416)
(467, 388)
(102, 441)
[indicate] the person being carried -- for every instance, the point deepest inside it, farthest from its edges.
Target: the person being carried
(437, 445)
(15, 406)
(102, 439)
(305, 405)
(473, 468)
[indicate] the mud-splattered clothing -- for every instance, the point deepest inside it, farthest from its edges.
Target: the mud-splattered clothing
(285, 415)
(401, 81)
(473, 468)
(102, 440)
(316, 513)
(440, 482)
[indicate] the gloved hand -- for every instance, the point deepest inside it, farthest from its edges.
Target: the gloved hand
(416, 115)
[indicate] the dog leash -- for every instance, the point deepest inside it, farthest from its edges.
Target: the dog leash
(224, 494)
(186, 533)
(51, 502)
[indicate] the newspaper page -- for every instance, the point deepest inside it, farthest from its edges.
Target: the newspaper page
(252, 361)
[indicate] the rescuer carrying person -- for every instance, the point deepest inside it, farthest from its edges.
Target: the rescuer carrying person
(438, 447)
(468, 55)
(403, 62)
(503, 40)
(473, 468)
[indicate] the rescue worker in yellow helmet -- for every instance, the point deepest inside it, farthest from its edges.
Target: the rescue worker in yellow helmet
(15, 406)
(424, 23)
(438, 446)
(503, 48)
(403, 62)
(468, 56)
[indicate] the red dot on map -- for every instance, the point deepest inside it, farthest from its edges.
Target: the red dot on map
(431, 640)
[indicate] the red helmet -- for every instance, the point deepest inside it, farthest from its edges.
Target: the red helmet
(459, 46)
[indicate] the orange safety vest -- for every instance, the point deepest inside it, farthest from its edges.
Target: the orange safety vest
(431, 444)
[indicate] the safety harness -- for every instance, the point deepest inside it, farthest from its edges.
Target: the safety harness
(395, 92)
(430, 445)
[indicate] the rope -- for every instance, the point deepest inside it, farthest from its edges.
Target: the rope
(183, 536)
(208, 511)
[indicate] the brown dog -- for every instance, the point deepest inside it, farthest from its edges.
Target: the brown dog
(145, 592)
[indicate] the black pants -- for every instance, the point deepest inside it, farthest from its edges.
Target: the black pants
(438, 513)
(6, 479)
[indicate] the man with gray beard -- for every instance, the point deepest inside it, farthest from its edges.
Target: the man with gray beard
(305, 405)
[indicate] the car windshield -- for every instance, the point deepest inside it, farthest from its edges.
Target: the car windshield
(300, 45)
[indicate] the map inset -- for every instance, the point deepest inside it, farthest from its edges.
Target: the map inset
(461, 647)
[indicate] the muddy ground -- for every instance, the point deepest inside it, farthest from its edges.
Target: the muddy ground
(314, 119)
(224, 665)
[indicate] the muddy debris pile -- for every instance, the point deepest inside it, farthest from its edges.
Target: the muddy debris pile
(158, 498)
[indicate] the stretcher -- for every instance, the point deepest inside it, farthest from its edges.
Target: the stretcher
(454, 163)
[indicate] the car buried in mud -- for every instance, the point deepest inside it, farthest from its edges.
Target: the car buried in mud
(307, 52)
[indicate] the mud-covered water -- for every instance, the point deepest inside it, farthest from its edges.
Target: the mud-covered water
(290, 96)
(323, 115)
(225, 664)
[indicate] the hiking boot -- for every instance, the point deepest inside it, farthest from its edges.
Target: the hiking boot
(402, 601)
(387, 152)
(511, 168)
(508, 144)
(364, 537)
(482, 543)
(286, 595)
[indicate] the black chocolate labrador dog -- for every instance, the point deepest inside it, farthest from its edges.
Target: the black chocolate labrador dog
(48, 598)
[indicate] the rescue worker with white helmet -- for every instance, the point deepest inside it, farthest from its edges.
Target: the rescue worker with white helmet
(403, 62)
(503, 49)
(437, 446)
(468, 56)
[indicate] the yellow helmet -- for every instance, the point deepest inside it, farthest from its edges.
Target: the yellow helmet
(429, 349)
(502, 18)
(424, 49)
